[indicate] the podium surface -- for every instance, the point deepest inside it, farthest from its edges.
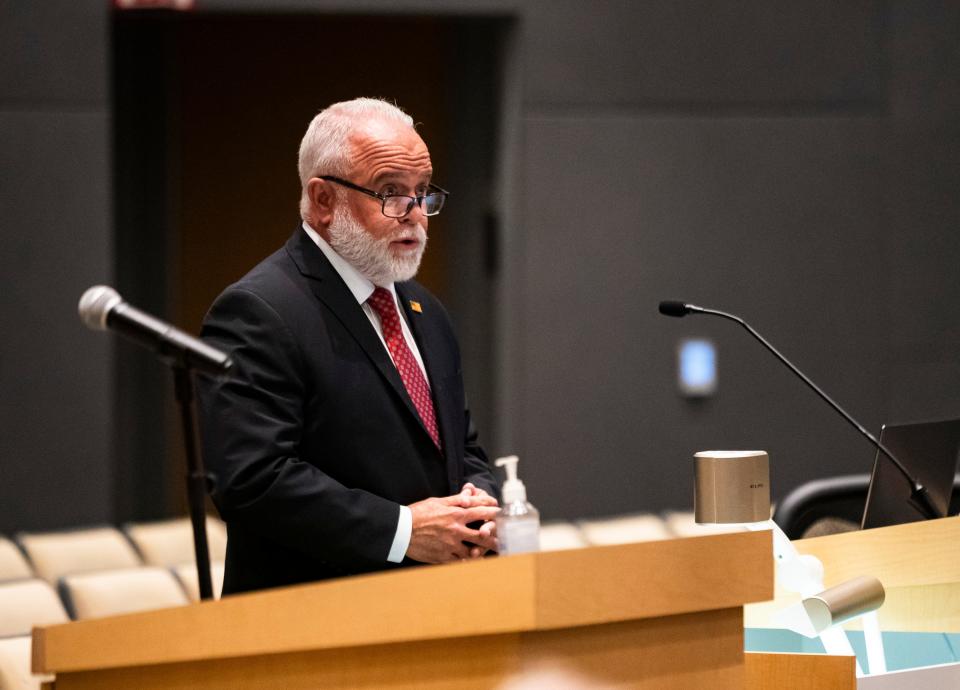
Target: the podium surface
(918, 564)
(665, 614)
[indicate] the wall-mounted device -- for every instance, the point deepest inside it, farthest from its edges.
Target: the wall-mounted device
(696, 367)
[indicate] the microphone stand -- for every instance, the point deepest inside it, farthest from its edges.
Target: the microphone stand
(101, 308)
(196, 477)
(919, 497)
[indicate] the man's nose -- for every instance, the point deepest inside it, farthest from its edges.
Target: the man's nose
(415, 214)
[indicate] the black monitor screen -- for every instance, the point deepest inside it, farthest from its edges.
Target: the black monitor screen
(929, 451)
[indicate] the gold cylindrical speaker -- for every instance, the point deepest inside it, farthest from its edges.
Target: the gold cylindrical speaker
(732, 486)
(844, 601)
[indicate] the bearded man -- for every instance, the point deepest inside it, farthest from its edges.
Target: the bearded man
(342, 443)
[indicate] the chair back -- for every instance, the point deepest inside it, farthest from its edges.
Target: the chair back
(27, 603)
(832, 505)
(170, 542)
(113, 592)
(835, 501)
(624, 529)
(15, 664)
(187, 574)
(13, 564)
(55, 554)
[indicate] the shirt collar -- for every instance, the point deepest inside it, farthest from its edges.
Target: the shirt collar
(360, 286)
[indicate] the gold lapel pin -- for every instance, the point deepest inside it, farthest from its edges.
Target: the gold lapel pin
(416, 307)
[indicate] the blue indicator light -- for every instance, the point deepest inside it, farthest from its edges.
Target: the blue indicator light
(698, 367)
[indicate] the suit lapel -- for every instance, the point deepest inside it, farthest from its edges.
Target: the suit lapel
(327, 285)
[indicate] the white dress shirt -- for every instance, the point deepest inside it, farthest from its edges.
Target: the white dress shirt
(361, 288)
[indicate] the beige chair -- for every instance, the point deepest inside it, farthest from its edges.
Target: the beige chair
(170, 542)
(187, 574)
(15, 671)
(26, 603)
(558, 536)
(624, 529)
(13, 564)
(55, 554)
(113, 592)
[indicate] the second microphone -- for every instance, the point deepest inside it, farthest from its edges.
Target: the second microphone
(102, 308)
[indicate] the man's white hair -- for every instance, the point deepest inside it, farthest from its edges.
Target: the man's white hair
(325, 148)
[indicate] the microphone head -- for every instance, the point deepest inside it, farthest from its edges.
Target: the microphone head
(95, 304)
(673, 308)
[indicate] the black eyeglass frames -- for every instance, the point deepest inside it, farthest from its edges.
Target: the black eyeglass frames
(399, 205)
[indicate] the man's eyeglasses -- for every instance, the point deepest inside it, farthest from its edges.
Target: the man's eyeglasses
(399, 205)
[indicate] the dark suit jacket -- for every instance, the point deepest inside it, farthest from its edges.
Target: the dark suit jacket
(313, 441)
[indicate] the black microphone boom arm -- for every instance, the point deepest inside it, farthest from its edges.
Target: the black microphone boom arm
(919, 497)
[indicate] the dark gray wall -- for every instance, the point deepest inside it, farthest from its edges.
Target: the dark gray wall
(792, 162)
(55, 378)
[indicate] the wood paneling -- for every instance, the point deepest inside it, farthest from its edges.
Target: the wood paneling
(800, 672)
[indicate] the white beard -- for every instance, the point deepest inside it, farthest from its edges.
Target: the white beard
(371, 256)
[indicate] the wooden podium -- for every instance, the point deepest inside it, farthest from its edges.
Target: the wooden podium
(665, 614)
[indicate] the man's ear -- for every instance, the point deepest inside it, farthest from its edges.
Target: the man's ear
(322, 200)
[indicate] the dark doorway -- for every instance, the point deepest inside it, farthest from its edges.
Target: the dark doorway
(209, 112)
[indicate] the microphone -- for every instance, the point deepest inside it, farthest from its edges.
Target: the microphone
(101, 308)
(919, 497)
(678, 309)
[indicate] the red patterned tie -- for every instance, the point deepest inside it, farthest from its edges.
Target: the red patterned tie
(411, 374)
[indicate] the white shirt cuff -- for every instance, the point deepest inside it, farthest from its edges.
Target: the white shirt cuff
(402, 538)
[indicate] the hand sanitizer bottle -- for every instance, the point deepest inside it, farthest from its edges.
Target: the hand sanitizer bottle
(518, 522)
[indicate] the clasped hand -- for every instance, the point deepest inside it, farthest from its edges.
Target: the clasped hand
(440, 526)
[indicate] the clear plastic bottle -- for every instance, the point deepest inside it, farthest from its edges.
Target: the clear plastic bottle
(518, 522)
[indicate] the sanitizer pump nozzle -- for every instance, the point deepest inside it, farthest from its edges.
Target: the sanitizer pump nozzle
(513, 488)
(518, 523)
